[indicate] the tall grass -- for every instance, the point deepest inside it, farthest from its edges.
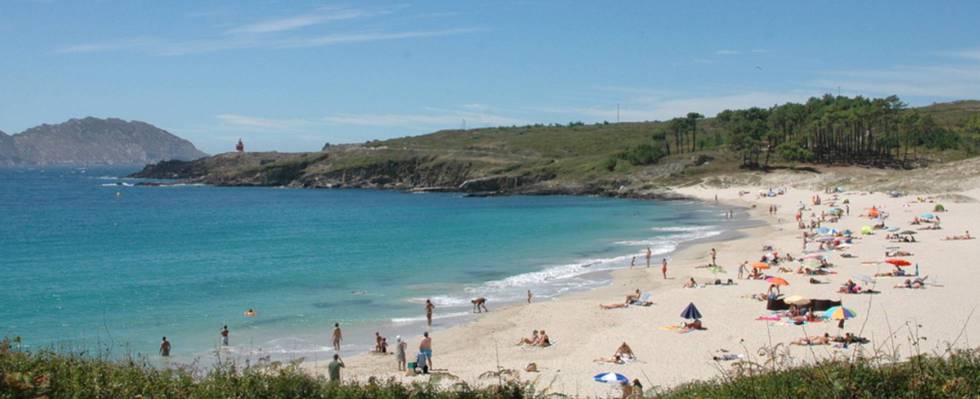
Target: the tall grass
(46, 374)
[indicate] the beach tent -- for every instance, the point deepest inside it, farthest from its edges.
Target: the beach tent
(866, 230)
(939, 208)
(611, 378)
(873, 213)
(691, 312)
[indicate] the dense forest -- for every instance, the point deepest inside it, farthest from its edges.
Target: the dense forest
(824, 130)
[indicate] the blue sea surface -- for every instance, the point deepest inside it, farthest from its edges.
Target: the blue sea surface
(89, 261)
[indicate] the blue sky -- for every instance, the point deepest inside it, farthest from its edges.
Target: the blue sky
(290, 76)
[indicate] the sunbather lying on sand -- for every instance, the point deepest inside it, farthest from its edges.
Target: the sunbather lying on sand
(543, 340)
(966, 236)
(691, 283)
(694, 325)
(633, 297)
(613, 305)
(851, 339)
(918, 283)
(614, 360)
(814, 340)
(893, 273)
(530, 341)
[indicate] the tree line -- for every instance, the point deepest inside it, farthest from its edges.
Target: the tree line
(823, 130)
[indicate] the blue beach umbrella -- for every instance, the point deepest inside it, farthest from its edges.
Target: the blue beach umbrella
(609, 378)
(927, 216)
(691, 312)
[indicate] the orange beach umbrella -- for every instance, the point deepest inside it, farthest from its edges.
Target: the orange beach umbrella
(777, 281)
(898, 262)
(760, 265)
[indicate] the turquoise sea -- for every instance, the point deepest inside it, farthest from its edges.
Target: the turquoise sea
(90, 262)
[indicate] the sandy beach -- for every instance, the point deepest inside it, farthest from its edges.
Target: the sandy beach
(581, 331)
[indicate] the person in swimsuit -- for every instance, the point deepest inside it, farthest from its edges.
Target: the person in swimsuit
(663, 268)
(425, 348)
(480, 305)
(338, 336)
(543, 340)
(529, 296)
(714, 254)
(429, 308)
(165, 348)
(624, 350)
(224, 336)
(649, 254)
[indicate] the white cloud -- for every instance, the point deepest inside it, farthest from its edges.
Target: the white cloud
(968, 54)
(269, 34)
(300, 21)
(942, 81)
(254, 123)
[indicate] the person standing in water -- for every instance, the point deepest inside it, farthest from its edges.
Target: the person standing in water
(165, 348)
(529, 296)
(632, 262)
(649, 255)
(338, 337)
(429, 308)
(663, 268)
(224, 336)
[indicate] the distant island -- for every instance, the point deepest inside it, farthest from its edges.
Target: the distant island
(94, 141)
(632, 159)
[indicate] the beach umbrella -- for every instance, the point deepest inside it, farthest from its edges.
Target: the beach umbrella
(610, 378)
(691, 312)
(898, 262)
(777, 281)
(796, 300)
(927, 216)
(760, 265)
(839, 313)
(864, 279)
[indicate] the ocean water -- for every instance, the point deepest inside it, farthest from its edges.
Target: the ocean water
(89, 261)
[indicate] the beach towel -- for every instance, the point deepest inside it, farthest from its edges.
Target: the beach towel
(769, 318)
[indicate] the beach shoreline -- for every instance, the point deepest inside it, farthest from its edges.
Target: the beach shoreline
(582, 332)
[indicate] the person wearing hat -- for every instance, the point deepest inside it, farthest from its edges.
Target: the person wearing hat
(400, 347)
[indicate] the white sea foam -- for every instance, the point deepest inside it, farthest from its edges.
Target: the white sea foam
(559, 279)
(437, 316)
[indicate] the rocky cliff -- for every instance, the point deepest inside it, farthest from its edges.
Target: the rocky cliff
(94, 141)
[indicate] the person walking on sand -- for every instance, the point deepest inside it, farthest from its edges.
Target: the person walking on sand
(649, 255)
(224, 336)
(632, 262)
(429, 308)
(334, 368)
(338, 337)
(529, 296)
(400, 348)
(744, 267)
(165, 348)
(425, 348)
(714, 254)
(663, 268)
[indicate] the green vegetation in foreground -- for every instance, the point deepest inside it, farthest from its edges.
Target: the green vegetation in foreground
(51, 375)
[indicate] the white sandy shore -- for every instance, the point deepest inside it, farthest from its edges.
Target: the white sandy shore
(582, 331)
